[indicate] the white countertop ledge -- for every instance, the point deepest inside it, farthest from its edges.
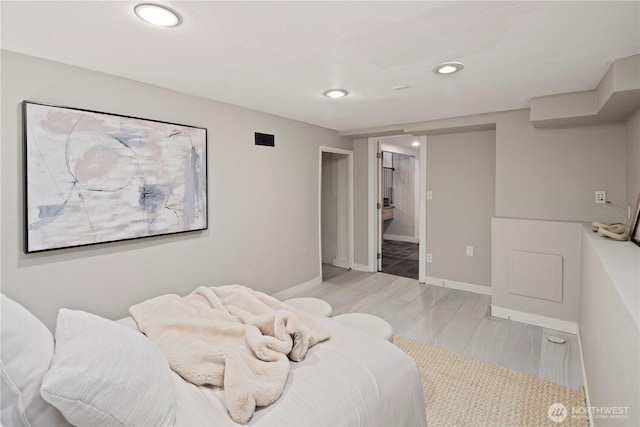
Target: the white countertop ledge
(621, 260)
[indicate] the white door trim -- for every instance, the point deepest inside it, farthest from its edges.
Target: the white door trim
(422, 240)
(373, 216)
(372, 210)
(349, 207)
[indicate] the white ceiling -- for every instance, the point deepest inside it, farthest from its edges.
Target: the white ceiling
(279, 57)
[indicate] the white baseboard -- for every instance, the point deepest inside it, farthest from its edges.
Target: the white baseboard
(535, 319)
(462, 286)
(399, 238)
(342, 263)
(361, 267)
(584, 375)
(289, 292)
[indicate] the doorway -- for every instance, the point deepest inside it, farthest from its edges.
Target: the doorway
(396, 179)
(399, 212)
(336, 211)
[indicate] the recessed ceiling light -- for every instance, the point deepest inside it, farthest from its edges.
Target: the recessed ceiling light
(157, 15)
(336, 93)
(448, 68)
(415, 144)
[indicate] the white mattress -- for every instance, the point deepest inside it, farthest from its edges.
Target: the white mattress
(353, 379)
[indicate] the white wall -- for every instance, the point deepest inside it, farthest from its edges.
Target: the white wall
(263, 202)
(609, 328)
(540, 173)
(461, 176)
(633, 160)
(538, 237)
(554, 173)
(361, 201)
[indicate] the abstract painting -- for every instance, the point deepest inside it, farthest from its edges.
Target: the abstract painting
(635, 224)
(93, 177)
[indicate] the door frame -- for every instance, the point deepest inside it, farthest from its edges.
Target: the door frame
(375, 214)
(422, 190)
(349, 207)
(373, 147)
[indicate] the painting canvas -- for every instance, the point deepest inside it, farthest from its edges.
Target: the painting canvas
(93, 177)
(635, 224)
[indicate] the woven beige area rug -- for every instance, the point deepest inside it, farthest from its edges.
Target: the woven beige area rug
(461, 391)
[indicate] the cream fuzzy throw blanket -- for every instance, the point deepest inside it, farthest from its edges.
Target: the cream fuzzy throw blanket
(232, 337)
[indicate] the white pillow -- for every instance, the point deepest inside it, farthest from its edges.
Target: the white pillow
(104, 374)
(27, 350)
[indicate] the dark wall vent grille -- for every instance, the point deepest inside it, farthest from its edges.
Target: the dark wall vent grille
(265, 139)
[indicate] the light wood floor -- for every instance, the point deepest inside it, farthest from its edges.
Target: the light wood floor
(452, 319)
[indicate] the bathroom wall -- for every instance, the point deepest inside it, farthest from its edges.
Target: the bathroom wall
(403, 225)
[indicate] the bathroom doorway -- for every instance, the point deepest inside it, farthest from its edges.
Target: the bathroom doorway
(397, 184)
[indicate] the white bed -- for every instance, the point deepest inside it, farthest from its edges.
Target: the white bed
(352, 379)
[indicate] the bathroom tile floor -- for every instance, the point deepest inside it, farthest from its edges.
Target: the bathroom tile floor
(400, 258)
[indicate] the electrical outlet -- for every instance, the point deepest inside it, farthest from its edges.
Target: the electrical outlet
(429, 195)
(601, 197)
(429, 258)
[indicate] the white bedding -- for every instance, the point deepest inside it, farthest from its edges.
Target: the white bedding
(230, 336)
(352, 379)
